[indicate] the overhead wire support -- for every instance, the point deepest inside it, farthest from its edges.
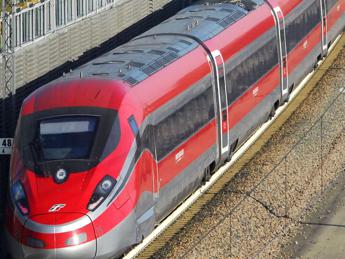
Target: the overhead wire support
(7, 87)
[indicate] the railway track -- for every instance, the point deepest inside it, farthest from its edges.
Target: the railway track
(192, 206)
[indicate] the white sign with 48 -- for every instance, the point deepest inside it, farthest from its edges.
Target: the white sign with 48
(6, 146)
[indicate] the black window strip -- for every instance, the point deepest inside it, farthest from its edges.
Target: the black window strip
(252, 69)
(181, 125)
(299, 28)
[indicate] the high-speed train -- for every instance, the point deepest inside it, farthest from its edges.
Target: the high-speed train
(106, 152)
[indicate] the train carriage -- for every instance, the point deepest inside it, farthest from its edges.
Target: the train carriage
(106, 152)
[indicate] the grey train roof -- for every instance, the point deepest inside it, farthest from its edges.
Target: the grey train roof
(149, 52)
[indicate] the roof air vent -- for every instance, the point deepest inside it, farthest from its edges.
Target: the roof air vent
(212, 19)
(111, 62)
(185, 42)
(131, 80)
(173, 49)
(131, 51)
(201, 10)
(119, 53)
(189, 17)
(159, 63)
(227, 10)
(136, 64)
(100, 74)
(230, 19)
(156, 52)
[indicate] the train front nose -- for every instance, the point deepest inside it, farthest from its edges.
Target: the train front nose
(45, 236)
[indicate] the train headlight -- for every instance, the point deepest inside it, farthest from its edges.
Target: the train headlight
(103, 189)
(35, 243)
(19, 198)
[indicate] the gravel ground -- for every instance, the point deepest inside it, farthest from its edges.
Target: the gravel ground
(260, 211)
(323, 235)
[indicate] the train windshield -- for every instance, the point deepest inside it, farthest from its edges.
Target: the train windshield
(67, 137)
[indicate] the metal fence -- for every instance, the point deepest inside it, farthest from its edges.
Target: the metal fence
(47, 16)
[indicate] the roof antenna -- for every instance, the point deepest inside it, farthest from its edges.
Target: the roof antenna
(81, 74)
(195, 23)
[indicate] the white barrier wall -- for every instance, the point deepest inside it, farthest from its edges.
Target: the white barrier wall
(43, 48)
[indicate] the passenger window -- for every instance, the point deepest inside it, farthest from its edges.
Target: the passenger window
(135, 129)
(134, 125)
(303, 25)
(186, 121)
(242, 77)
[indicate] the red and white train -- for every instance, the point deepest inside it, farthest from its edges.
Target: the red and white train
(104, 153)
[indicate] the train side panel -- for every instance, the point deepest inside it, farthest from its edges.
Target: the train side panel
(252, 71)
(335, 18)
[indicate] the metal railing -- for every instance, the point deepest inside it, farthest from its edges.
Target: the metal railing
(47, 16)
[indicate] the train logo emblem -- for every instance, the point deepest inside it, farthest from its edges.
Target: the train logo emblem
(56, 207)
(305, 44)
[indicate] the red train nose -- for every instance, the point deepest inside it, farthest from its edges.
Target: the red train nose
(44, 236)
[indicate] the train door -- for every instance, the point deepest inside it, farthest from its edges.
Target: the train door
(324, 21)
(219, 76)
(282, 48)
